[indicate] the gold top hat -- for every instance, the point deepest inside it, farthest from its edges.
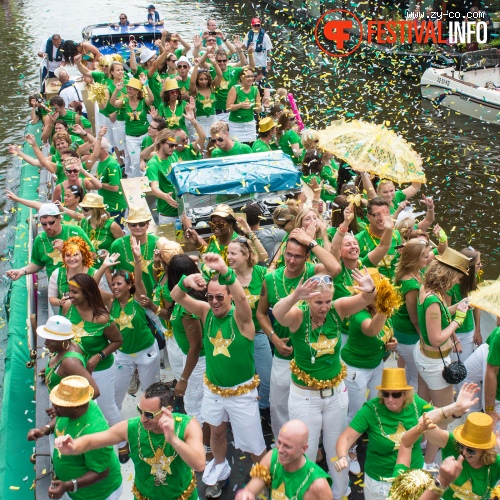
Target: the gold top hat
(373, 272)
(476, 432)
(394, 379)
(455, 260)
(223, 210)
(170, 84)
(487, 297)
(266, 124)
(138, 215)
(72, 391)
(92, 200)
(134, 83)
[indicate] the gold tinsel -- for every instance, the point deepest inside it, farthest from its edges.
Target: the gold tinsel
(184, 496)
(495, 493)
(262, 472)
(97, 93)
(229, 393)
(105, 61)
(315, 383)
(410, 484)
(389, 299)
(144, 91)
(117, 58)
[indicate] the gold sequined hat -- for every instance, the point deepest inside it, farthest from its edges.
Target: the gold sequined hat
(394, 379)
(134, 83)
(138, 215)
(72, 391)
(92, 200)
(266, 124)
(170, 84)
(56, 328)
(223, 210)
(476, 432)
(455, 260)
(374, 274)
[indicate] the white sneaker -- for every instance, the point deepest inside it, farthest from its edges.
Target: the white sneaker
(433, 467)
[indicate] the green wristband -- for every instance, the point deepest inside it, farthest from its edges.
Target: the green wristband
(180, 284)
(442, 236)
(227, 279)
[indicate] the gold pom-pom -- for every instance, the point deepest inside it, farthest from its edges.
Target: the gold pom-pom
(495, 493)
(97, 93)
(262, 472)
(410, 485)
(117, 58)
(389, 299)
(105, 61)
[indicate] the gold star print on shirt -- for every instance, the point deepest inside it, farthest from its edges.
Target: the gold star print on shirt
(279, 494)
(56, 256)
(324, 345)
(134, 115)
(145, 264)
(207, 103)
(224, 84)
(397, 436)
(124, 320)
(160, 466)
(79, 331)
(173, 120)
(252, 299)
(221, 344)
(464, 492)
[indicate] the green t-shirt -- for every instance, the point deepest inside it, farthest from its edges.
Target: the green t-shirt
(252, 291)
(156, 85)
(68, 467)
(76, 140)
(45, 255)
(230, 78)
(136, 120)
(329, 175)
(286, 140)
(213, 246)
(237, 149)
(422, 308)
(62, 280)
(157, 170)
(244, 115)
(110, 172)
(175, 119)
(146, 142)
(399, 196)
(178, 313)
(259, 146)
(385, 429)
(494, 355)
(71, 119)
(471, 481)
(363, 351)
(189, 154)
(456, 296)
(404, 329)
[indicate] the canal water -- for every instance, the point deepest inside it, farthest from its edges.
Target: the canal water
(461, 155)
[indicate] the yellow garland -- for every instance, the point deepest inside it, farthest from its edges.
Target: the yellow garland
(229, 393)
(97, 93)
(261, 472)
(410, 484)
(495, 493)
(389, 299)
(144, 91)
(184, 496)
(315, 383)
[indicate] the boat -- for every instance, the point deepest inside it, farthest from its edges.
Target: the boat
(471, 88)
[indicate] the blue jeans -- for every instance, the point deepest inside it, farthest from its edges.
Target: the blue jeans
(263, 362)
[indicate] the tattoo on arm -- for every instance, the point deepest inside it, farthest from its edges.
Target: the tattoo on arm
(434, 316)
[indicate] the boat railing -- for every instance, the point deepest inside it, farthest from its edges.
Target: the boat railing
(480, 59)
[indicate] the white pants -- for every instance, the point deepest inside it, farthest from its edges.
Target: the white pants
(328, 414)
(119, 135)
(278, 394)
(165, 219)
(222, 117)
(406, 352)
(147, 363)
(175, 357)
(116, 495)
(476, 372)
(193, 397)
(358, 381)
(133, 156)
(206, 122)
(376, 490)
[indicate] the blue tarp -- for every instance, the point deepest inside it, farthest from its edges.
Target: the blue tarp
(242, 174)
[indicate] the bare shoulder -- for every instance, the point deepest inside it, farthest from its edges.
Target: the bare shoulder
(319, 490)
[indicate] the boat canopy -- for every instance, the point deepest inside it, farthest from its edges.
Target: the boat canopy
(480, 59)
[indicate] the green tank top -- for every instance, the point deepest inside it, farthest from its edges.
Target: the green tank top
(278, 287)
(110, 109)
(205, 106)
(161, 296)
(136, 120)
(294, 485)
(343, 284)
(404, 330)
(228, 353)
(82, 185)
(244, 115)
(159, 471)
(422, 308)
(317, 352)
(175, 119)
(62, 280)
(101, 237)
(132, 323)
(91, 337)
(51, 377)
(179, 331)
(456, 296)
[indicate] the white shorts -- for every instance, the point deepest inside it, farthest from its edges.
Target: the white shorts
(376, 490)
(242, 132)
(430, 369)
(243, 413)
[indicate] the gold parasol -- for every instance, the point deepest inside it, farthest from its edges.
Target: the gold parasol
(373, 148)
(487, 297)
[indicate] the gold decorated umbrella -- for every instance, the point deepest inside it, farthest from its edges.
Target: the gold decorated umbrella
(487, 297)
(368, 147)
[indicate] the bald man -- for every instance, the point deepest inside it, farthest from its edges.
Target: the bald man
(287, 471)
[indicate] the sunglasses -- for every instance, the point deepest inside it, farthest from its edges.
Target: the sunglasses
(217, 225)
(123, 18)
(469, 451)
(219, 297)
(221, 60)
(150, 415)
(48, 223)
(393, 395)
(172, 145)
(256, 25)
(86, 209)
(182, 66)
(140, 224)
(241, 240)
(219, 139)
(71, 171)
(327, 280)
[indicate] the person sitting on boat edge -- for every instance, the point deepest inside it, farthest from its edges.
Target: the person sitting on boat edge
(154, 17)
(123, 22)
(51, 49)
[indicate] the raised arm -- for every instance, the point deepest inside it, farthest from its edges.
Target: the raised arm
(341, 232)
(347, 306)
(199, 144)
(237, 48)
(23, 201)
(287, 313)
(380, 251)
(410, 438)
(194, 75)
(412, 190)
(372, 327)
(117, 103)
(368, 185)
(94, 156)
(437, 336)
(157, 63)
(132, 60)
(425, 224)
(179, 295)
(140, 289)
(218, 71)
(81, 68)
(185, 45)
(253, 240)
(91, 182)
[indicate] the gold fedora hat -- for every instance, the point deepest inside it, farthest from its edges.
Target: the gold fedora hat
(92, 200)
(375, 276)
(477, 432)
(223, 210)
(72, 391)
(455, 260)
(266, 124)
(394, 379)
(170, 84)
(134, 83)
(138, 215)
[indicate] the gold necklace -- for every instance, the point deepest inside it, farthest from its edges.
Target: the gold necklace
(289, 292)
(144, 263)
(309, 330)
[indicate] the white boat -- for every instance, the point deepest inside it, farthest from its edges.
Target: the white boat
(473, 89)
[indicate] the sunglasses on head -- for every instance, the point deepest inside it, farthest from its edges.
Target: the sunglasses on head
(219, 139)
(217, 225)
(242, 240)
(327, 280)
(150, 415)
(393, 395)
(140, 224)
(71, 171)
(469, 451)
(48, 223)
(182, 66)
(219, 297)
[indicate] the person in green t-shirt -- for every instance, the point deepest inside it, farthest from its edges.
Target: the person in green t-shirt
(190, 151)
(492, 375)
(267, 136)
(288, 139)
(166, 447)
(219, 136)
(287, 471)
(87, 474)
(173, 107)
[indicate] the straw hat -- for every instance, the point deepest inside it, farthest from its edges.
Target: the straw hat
(487, 297)
(394, 379)
(170, 84)
(266, 124)
(56, 328)
(223, 210)
(455, 260)
(374, 273)
(138, 215)
(48, 209)
(92, 200)
(476, 432)
(72, 391)
(134, 83)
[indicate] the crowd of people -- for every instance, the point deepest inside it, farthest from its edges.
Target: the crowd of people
(292, 323)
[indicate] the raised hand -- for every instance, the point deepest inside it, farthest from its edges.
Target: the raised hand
(65, 444)
(189, 113)
(30, 139)
(348, 214)
(119, 85)
(136, 247)
(388, 223)
(78, 130)
(143, 78)
(301, 236)
(166, 423)
(111, 259)
(197, 41)
(216, 262)
(153, 112)
(195, 281)
(427, 201)
(78, 58)
(467, 397)
(426, 424)
(102, 131)
(238, 43)
(191, 235)
(243, 225)
(251, 48)
(364, 280)
(305, 290)
(14, 149)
